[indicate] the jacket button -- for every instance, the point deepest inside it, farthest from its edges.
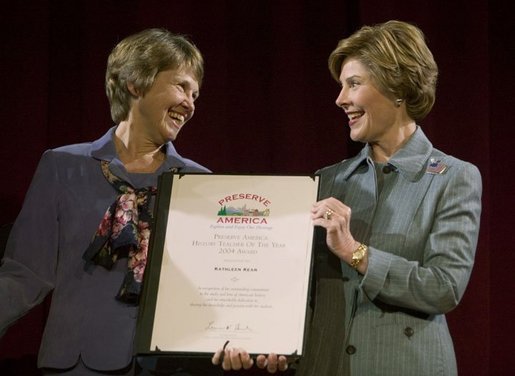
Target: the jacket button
(388, 168)
(409, 332)
(350, 350)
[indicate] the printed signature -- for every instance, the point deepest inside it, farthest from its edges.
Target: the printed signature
(228, 327)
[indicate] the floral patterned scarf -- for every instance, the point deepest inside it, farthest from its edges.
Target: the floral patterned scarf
(124, 232)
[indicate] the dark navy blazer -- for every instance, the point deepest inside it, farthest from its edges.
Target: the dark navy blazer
(67, 199)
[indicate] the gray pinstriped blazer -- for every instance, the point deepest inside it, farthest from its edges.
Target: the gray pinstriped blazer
(422, 229)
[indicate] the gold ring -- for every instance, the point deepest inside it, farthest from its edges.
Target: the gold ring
(328, 214)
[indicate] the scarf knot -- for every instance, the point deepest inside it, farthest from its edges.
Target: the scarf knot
(124, 231)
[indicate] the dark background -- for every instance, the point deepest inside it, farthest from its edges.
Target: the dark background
(267, 105)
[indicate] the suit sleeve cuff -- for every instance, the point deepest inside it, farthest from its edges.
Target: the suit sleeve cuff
(377, 270)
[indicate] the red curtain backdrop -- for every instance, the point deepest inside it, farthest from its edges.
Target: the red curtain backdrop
(267, 105)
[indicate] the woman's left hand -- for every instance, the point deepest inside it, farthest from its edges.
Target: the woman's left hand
(232, 359)
(335, 217)
(237, 359)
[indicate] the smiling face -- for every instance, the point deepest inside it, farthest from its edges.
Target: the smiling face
(373, 117)
(163, 110)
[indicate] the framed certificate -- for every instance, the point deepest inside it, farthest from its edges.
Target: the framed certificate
(230, 260)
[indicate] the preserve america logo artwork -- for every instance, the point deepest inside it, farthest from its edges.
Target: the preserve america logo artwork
(244, 208)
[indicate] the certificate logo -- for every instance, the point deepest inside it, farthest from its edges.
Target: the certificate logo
(244, 208)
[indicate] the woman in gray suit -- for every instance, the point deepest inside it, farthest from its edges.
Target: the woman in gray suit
(399, 222)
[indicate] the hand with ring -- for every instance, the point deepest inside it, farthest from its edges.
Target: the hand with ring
(328, 214)
(335, 217)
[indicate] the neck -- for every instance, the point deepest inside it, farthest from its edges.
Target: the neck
(137, 152)
(383, 150)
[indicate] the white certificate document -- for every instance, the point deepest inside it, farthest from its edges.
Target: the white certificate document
(231, 260)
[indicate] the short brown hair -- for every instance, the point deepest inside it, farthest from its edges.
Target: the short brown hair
(398, 60)
(139, 58)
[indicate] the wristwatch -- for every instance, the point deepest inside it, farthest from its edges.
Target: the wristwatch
(358, 255)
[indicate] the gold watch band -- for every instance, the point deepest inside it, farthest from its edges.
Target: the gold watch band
(358, 255)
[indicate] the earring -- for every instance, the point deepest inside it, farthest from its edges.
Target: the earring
(398, 102)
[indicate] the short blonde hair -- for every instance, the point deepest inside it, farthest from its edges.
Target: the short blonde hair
(398, 60)
(139, 58)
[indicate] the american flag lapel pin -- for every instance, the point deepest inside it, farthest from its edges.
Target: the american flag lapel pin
(436, 166)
